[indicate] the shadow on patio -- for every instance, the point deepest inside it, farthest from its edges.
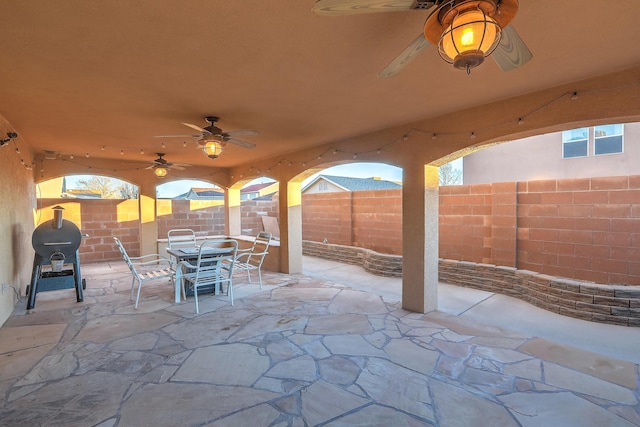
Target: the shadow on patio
(316, 349)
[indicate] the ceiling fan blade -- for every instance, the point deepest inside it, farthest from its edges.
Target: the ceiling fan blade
(405, 57)
(242, 132)
(352, 7)
(194, 127)
(198, 135)
(512, 52)
(177, 166)
(239, 142)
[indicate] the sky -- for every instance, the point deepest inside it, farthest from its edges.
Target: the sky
(354, 170)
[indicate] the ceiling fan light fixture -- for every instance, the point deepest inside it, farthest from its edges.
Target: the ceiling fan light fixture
(471, 36)
(467, 31)
(160, 171)
(212, 146)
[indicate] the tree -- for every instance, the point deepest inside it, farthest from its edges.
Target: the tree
(109, 188)
(448, 175)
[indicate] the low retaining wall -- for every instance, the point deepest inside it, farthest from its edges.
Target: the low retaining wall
(619, 305)
(372, 261)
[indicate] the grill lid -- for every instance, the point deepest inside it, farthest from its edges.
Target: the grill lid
(46, 239)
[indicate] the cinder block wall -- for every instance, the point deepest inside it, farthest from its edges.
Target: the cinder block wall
(465, 222)
(583, 229)
(252, 211)
(375, 220)
(101, 220)
(204, 219)
(586, 229)
(328, 216)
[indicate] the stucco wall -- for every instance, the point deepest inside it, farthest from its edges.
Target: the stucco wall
(540, 157)
(18, 195)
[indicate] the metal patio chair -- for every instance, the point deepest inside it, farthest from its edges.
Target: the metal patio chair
(251, 259)
(214, 267)
(145, 268)
(178, 239)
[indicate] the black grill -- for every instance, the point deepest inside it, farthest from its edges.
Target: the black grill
(56, 243)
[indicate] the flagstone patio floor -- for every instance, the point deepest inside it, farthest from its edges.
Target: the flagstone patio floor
(303, 351)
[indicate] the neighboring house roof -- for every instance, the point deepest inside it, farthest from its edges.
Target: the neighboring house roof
(209, 193)
(356, 184)
(265, 197)
(255, 187)
(196, 193)
(82, 194)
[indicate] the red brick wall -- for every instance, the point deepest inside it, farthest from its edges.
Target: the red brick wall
(586, 229)
(327, 216)
(210, 221)
(252, 212)
(465, 222)
(375, 220)
(101, 220)
(206, 221)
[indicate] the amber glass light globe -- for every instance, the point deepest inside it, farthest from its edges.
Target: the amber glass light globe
(471, 37)
(160, 172)
(212, 149)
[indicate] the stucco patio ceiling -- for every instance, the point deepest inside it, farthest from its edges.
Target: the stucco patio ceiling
(77, 75)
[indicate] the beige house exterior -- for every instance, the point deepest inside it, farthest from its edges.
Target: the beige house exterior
(542, 157)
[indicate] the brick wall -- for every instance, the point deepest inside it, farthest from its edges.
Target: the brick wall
(327, 216)
(101, 220)
(252, 212)
(206, 218)
(465, 222)
(375, 220)
(583, 229)
(587, 229)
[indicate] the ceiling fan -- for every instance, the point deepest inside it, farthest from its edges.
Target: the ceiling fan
(212, 139)
(161, 166)
(464, 31)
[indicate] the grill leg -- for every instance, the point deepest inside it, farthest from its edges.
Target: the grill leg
(78, 278)
(35, 274)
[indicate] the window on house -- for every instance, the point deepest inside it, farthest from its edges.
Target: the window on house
(575, 143)
(607, 139)
(322, 186)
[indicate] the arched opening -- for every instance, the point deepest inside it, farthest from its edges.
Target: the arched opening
(99, 206)
(86, 187)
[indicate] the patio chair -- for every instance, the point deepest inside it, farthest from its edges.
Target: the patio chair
(178, 239)
(252, 258)
(145, 268)
(214, 267)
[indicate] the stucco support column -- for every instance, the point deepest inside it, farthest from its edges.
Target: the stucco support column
(290, 209)
(232, 212)
(420, 238)
(148, 220)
